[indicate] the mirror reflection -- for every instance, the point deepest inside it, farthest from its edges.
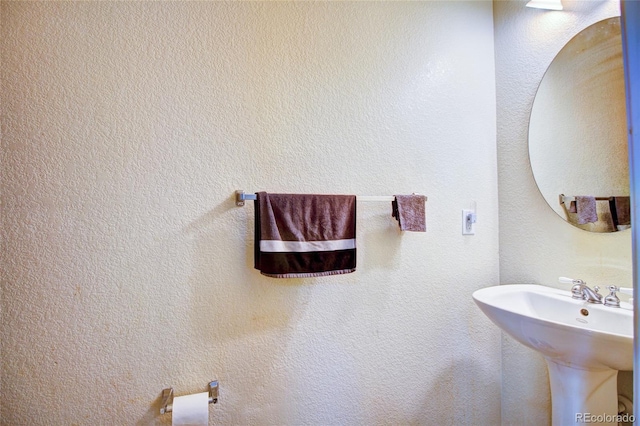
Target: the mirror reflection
(577, 132)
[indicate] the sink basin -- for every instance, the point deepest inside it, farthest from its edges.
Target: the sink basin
(584, 344)
(570, 331)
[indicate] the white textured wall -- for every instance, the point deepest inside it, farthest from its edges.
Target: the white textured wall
(537, 245)
(127, 268)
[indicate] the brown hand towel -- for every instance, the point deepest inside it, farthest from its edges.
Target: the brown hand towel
(409, 210)
(620, 210)
(300, 235)
(586, 209)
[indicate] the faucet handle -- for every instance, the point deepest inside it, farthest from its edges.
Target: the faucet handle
(626, 290)
(565, 280)
(612, 299)
(576, 286)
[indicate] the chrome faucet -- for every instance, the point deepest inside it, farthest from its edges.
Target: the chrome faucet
(581, 290)
(591, 296)
(612, 299)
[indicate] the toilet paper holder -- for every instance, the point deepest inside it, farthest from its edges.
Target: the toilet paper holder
(167, 397)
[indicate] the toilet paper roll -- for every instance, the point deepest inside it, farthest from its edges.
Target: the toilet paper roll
(191, 410)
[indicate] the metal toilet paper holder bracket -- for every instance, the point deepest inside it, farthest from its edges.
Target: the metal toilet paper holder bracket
(167, 397)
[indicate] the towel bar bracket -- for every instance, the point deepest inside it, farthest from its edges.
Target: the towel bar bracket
(241, 197)
(167, 397)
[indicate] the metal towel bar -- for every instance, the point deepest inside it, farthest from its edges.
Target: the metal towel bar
(567, 199)
(241, 197)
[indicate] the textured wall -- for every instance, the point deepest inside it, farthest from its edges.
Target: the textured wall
(536, 245)
(127, 268)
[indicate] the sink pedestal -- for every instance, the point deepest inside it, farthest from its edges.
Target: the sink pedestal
(580, 396)
(585, 345)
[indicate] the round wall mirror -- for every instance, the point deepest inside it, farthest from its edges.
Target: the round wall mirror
(578, 131)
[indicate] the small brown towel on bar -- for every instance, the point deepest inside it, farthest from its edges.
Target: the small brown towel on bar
(305, 235)
(620, 210)
(409, 210)
(586, 209)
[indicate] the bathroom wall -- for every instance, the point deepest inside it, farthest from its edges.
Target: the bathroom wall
(536, 245)
(127, 268)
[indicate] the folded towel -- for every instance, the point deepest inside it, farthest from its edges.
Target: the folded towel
(409, 210)
(620, 210)
(299, 235)
(586, 209)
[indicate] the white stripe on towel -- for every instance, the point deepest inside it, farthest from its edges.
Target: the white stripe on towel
(305, 246)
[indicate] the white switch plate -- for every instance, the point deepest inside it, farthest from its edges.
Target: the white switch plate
(468, 222)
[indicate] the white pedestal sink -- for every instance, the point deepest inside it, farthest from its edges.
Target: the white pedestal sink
(584, 344)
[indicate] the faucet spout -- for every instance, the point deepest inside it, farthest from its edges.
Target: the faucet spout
(591, 296)
(580, 290)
